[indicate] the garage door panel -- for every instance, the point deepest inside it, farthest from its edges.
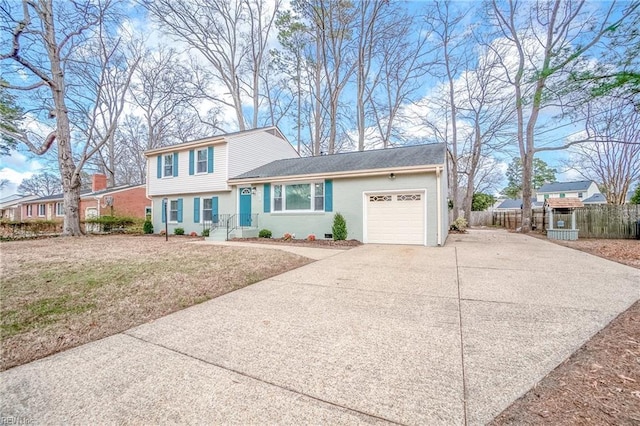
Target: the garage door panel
(396, 218)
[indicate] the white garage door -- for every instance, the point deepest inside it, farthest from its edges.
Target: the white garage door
(396, 218)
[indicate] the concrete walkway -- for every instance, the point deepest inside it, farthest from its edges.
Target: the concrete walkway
(376, 334)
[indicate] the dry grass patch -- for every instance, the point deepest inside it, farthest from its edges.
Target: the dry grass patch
(61, 292)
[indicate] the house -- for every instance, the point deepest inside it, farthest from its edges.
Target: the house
(595, 199)
(582, 189)
(245, 181)
(516, 204)
(11, 206)
(128, 200)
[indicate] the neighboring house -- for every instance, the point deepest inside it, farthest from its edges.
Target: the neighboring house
(255, 179)
(595, 199)
(582, 189)
(511, 204)
(11, 206)
(129, 200)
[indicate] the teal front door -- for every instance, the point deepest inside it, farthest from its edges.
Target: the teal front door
(245, 207)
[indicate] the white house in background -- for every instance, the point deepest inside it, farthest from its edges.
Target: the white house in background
(11, 206)
(581, 190)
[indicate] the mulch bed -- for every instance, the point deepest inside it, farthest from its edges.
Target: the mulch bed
(345, 244)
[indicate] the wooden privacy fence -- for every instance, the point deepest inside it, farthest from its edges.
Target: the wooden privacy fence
(597, 221)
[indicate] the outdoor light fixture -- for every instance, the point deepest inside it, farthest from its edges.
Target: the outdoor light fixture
(392, 176)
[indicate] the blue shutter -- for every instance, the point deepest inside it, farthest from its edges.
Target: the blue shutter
(328, 195)
(191, 161)
(196, 210)
(164, 211)
(267, 197)
(159, 166)
(210, 159)
(214, 208)
(179, 210)
(175, 164)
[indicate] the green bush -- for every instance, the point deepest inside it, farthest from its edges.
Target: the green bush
(264, 233)
(115, 223)
(205, 232)
(460, 225)
(339, 227)
(178, 231)
(147, 228)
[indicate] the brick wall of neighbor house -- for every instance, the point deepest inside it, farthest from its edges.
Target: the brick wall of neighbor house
(130, 202)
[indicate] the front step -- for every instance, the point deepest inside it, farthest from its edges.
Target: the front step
(219, 234)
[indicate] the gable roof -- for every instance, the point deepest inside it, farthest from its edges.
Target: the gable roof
(564, 203)
(580, 185)
(86, 193)
(402, 157)
(511, 203)
(273, 130)
(597, 198)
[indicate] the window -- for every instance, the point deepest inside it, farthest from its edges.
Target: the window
(579, 194)
(299, 197)
(173, 211)
(202, 161)
(42, 210)
(546, 196)
(29, 210)
(207, 207)
(59, 209)
(168, 165)
(562, 195)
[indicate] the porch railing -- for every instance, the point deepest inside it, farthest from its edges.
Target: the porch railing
(230, 222)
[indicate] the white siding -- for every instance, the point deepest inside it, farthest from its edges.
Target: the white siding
(248, 151)
(185, 183)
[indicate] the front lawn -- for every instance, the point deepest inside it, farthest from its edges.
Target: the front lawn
(62, 292)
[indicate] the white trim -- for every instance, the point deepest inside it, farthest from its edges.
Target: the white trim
(334, 175)
(365, 200)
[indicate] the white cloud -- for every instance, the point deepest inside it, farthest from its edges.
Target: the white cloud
(15, 168)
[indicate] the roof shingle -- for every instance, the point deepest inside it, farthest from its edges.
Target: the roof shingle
(409, 156)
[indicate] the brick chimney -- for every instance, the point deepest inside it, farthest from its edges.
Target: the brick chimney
(98, 182)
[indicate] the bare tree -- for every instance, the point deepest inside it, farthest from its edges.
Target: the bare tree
(546, 42)
(42, 184)
(232, 36)
(44, 41)
(612, 157)
(447, 25)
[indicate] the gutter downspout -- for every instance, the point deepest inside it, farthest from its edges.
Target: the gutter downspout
(439, 206)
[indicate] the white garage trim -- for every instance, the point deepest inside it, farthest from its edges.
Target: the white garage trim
(365, 213)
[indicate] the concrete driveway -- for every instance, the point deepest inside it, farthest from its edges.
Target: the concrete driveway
(376, 334)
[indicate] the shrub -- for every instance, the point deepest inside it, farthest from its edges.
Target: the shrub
(287, 237)
(264, 233)
(178, 231)
(460, 225)
(339, 227)
(147, 228)
(205, 232)
(115, 223)
(311, 237)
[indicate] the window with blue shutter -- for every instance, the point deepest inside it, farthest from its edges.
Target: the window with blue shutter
(210, 159)
(214, 208)
(267, 197)
(196, 210)
(191, 163)
(328, 195)
(159, 166)
(175, 164)
(179, 210)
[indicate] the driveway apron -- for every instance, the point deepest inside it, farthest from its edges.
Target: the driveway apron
(376, 334)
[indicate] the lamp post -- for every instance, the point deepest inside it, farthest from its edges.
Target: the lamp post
(165, 203)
